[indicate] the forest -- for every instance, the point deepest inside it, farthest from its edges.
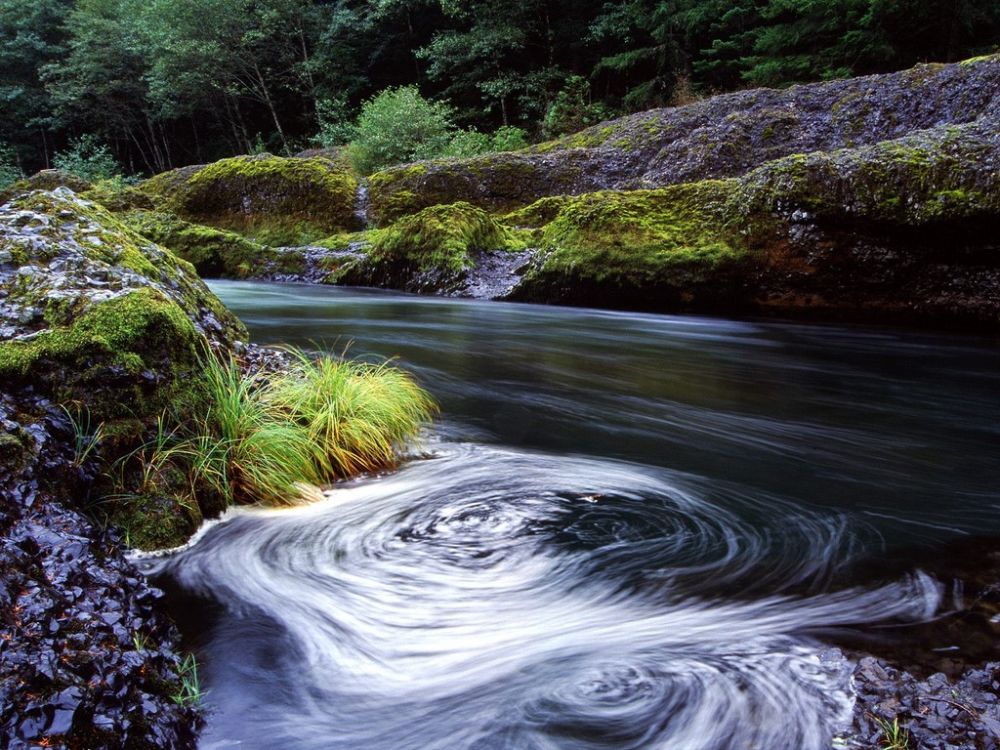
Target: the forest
(147, 85)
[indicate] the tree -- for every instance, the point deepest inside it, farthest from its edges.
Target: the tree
(99, 85)
(31, 37)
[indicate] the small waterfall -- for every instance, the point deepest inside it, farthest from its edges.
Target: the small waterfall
(361, 205)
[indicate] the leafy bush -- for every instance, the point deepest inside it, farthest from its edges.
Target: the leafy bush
(468, 143)
(89, 159)
(9, 171)
(397, 126)
(509, 138)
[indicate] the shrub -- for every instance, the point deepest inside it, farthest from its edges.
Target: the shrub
(89, 159)
(509, 138)
(335, 126)
(399, 125)
(468, 143)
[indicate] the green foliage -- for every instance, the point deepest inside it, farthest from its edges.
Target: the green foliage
(573, 109)
(335, 125)
(162, 86)
(267, 438)
(894, 737)
(358, 414)
(467, 143)
(10, 172)
(398, 126)
(88, 159)
(509, 138)
(189, 691)
(86, 436)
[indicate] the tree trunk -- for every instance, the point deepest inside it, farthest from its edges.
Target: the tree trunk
(141, 150)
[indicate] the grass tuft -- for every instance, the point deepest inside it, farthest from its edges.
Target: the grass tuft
(271, 439)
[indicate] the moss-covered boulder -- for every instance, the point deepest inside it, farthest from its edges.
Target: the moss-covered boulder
(430, 251)
(97, 317)
(944, 174)
(899, 230)
(496, 182)
(269, 199)
(724, 136)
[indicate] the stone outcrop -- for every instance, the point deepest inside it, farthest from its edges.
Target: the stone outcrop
(96, 315)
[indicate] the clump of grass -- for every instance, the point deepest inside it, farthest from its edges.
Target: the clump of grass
(267, 438)
(356, 413)
(86, 436)
(894, 737)
(189, 691)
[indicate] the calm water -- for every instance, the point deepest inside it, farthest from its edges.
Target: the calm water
(627, 531)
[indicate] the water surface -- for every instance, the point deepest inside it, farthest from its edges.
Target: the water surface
(627, 531)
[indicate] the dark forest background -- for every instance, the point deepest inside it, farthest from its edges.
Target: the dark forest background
(162, 83)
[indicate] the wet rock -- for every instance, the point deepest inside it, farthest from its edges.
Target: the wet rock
(73, 610)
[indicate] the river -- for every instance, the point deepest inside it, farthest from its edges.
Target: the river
(626, 531)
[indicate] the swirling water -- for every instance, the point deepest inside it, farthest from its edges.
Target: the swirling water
(628, 531)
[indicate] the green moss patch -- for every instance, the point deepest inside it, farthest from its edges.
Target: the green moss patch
(124, 357)
(672, 236)
(441, 238)
(270, 199)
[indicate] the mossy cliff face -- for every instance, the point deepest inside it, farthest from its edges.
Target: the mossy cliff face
(725, 136)
(269, 199)
(99, 318)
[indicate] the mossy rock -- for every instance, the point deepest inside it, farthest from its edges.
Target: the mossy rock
(117, 197)
(441, 238)
(128, 356)
(430, 250)
(720, 137)
(497, 183)
(941, 175)
(215, 253)
(270, 199)
(97, 316)
(671, 246)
